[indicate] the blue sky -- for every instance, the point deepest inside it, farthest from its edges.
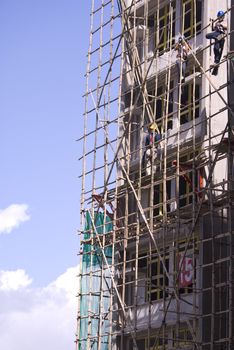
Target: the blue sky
(42, 63)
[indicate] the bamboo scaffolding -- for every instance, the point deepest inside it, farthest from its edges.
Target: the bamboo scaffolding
(147, 233)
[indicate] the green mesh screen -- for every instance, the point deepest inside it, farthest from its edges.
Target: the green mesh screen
(91, 281)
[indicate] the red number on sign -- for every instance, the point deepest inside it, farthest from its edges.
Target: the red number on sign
(186, 271)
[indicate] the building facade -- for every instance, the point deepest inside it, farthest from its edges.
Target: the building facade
(157, 248)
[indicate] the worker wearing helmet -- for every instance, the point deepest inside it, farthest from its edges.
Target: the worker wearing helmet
(153, 135)
(151, 148)
(219, 31)
(220, 14)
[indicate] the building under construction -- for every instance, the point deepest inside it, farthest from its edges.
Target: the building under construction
(157, 217)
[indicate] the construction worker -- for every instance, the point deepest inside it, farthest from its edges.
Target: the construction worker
(153, 135)
(100, 200)
(218, 33)
(182, 48)
(151, 145)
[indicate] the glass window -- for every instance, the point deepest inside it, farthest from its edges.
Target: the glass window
(162, 24)
(186, 180)
(183, 339)
(159, 105)
(187, 102)
(157, 281)
(155, 342)
(192, 15)
(163, 41)
(158, 198)
(158, 342)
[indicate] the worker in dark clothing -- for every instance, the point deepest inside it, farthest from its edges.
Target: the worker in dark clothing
(182, 48)
(151, 145)
(218, 33)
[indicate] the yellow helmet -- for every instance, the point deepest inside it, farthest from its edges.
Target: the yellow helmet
(153, 126)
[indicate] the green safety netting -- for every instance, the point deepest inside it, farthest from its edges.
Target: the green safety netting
(91, 280)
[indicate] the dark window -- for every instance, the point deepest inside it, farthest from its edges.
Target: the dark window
(186, 181)
(163, 23)
(160, 106)
(159, 281)
(158, 198)
(187, 103)
(192, 17)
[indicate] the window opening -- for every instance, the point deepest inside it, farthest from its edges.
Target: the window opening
(157, 281)
(184, 337)
(186, 180)
(192, 24)
(159, 104)
(162, 42)
(158, 198)
(186, 111)
(154, 343)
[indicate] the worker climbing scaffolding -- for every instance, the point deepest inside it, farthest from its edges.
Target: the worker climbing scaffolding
(102, 204)
(151, 149)
(182, 47)
(219, 28)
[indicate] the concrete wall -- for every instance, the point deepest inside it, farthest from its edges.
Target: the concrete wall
(213, 103)
(203, 128)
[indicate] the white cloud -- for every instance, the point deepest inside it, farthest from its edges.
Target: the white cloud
(66, 281)
(14, 280)
(39, 318)
(12, 217)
